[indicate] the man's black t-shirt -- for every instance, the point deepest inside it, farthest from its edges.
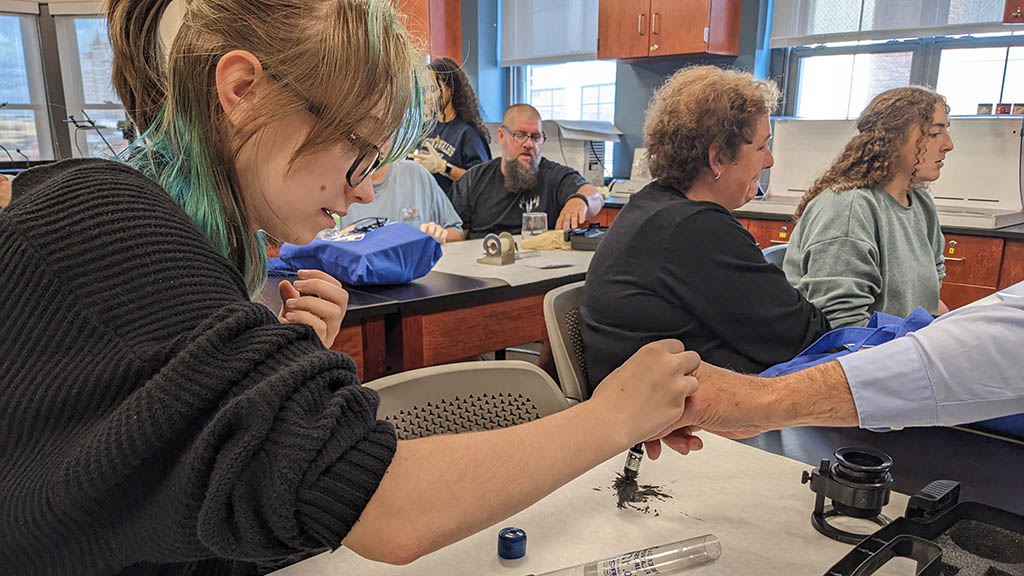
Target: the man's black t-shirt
(485, 205)
(460, 144)
(671, 267)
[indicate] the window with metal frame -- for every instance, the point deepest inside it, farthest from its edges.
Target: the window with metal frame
(93, 108)
(982, 80)
(24, 118)
(574, 91)
(550, 102)
(974, 72)
(841, 85)
(597, 102)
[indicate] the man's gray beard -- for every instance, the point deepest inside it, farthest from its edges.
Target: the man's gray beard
(519, 177)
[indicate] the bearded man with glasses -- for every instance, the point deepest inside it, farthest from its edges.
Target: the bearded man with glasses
(493, 196)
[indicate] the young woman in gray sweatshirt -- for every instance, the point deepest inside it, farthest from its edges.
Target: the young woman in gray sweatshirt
(868, 237)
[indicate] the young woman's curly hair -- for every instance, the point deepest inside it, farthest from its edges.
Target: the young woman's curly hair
(870, 158)
(448, 72)
(697, 107)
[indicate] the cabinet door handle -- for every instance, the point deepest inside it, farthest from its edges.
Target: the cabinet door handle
(779, 241)
(654, 24)
(640, 24)
(951, 259)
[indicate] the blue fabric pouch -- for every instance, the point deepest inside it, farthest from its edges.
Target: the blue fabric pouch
(833, 344)
(394, 253)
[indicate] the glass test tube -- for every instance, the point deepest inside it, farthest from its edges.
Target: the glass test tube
(666, 559)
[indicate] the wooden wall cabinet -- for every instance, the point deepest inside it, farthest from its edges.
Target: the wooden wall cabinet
(768, 233)
(435, 26)
(1013, 264)
(972, 268)
(1014, 13)
(642, 28)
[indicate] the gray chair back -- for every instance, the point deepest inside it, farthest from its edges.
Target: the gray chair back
(466, 397)
(775, 254)
(561, 316)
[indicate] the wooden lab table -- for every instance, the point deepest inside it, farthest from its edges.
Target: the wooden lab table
(462, 309)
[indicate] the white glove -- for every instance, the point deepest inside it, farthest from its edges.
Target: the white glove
(435, 230)
(430, 159)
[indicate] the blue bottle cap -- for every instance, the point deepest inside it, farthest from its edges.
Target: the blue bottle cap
(511, 543)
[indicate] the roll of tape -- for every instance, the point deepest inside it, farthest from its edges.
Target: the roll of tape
(511, 543)
(495, 245)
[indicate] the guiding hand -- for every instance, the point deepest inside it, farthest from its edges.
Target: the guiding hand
(573, 214)
(428, 157)
(436, 230)
(647, 394)
(317, 299)
(726, 404)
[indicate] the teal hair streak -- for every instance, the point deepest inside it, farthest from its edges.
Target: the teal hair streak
(412, 129)
(171, 154)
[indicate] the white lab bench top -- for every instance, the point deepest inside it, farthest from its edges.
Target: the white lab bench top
(751, 500)
(460, 258)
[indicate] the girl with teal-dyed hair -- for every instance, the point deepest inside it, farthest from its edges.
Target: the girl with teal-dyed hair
(155, 419)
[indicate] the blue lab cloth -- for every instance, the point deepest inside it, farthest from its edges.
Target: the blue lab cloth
(833, 344)
(392, 254)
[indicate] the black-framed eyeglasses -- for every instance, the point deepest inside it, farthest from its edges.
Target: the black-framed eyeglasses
(365, 163)
(520, 137)
(369, 223)
(369, 157)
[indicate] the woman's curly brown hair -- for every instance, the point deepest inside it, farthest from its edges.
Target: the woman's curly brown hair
(869, 159)
(697, 107)
(448, 72)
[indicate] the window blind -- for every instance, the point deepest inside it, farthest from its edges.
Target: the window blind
(804, 22)
(544, 31)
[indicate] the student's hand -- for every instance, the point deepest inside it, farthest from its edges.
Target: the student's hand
(943, 309)
(317, 299)
(647, 395)
(436, 230)
(429, 159)
(573, 214)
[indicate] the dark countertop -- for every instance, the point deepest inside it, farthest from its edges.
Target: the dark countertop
(989, 469)
(614, 203)
(434, 292)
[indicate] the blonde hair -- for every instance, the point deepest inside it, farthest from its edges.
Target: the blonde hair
(697, 107)
(344, 60)
(869, 159)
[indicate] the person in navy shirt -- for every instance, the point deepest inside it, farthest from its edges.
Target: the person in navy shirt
(459, 141)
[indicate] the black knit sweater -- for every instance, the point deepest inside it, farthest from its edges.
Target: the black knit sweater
(153, 420)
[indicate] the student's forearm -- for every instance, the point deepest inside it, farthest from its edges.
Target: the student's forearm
(460, 499)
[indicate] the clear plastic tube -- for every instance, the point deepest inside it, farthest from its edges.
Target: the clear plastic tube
(666, 559)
